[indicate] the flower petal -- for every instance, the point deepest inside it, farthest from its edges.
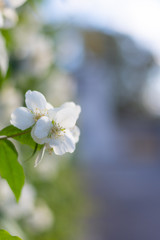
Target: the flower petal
(43, 127)
(38, 140)
(35, 100)
(63, 144)
(68, 104)
(49, 106)
(67, 116)
(52, 113)
(22, 118)
(72, 105)
(75, 133)
(40, 156)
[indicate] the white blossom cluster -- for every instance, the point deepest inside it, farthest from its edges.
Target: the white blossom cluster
(55, 128)
(8, 16)
(34, 211)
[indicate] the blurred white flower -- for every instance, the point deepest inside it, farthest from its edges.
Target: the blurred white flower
(3, 56)
(26, 205)
(48, 169)
(8, 104)
(37, 107)
(42, 218)
(5, 192)
(8, 16)
(8, 204)
(58, 130)
(60, 87)
(39, 54)
(16, 3)
(38, 216)
(42, 55)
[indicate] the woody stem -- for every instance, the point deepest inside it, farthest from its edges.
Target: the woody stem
(15, 135)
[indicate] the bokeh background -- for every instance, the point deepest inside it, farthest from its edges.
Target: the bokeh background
(105, 56)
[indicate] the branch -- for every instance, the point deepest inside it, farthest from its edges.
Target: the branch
(14, 135)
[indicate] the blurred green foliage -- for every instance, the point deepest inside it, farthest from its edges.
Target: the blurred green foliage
(63, 195)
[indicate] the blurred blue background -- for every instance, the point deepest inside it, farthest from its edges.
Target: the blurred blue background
(112, 49)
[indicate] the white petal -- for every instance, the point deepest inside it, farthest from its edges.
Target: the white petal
(63, 144)
(22, 118)
(72, 105)
(43, 127)
(38, 140)
(49, 106)
(75, 133)
(17, 3)
(68, 104)
(40, 156)
(67, 117)
(35, 100)
(78, 110)
(52, 113)
(10, 17)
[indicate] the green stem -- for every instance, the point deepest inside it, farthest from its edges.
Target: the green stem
(15, 135)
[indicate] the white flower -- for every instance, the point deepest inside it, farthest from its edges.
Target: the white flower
(54, 128)
(58, 130)
(38, 56)
(42, 218)
(8, 16)
(37, 107)
(8, 104)
(3, 56)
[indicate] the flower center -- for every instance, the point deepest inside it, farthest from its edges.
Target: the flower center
(49, 149)
(56, 130)
(38, 114)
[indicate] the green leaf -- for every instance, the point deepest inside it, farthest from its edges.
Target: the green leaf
(23, 137)
(4, 235)
(10, 168)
